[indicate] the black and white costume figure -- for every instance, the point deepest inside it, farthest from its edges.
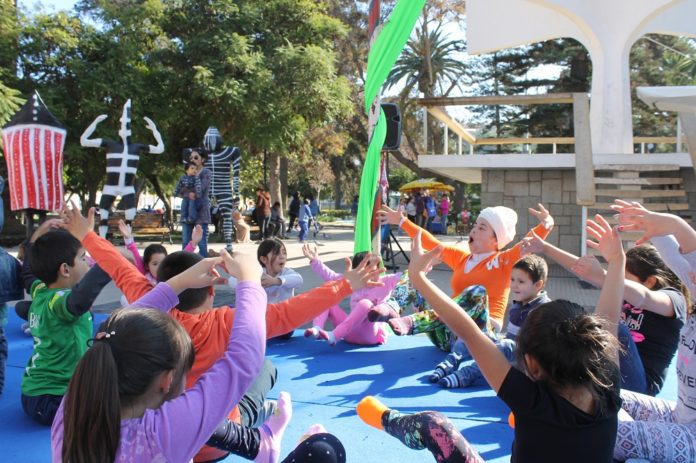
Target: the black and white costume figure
(220, 161)
(121, 164)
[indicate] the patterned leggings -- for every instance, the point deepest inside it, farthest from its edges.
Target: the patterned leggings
(432, 431)
(652, 432)
(474, 300)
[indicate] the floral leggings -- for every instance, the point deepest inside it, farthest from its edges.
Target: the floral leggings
(650, 431)
(474, 300)
(432, 431)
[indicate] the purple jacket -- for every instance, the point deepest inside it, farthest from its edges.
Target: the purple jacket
(179, 427)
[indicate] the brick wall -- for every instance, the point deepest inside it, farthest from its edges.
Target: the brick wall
(521, 189)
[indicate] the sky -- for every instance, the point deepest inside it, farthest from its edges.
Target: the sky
(55, 5)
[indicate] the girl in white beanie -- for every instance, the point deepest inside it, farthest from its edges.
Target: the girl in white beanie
(482, 264)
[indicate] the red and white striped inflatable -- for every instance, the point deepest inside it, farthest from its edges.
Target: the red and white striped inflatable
(33, 143)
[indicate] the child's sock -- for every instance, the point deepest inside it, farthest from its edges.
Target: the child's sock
(312, 332)
(438, 373)
(401, 326)
(459, 379)
(273, 429)
(371, 410)
(312, 430)
(327, 336)
(382, 313)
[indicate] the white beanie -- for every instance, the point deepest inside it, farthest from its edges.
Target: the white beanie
(503, 220)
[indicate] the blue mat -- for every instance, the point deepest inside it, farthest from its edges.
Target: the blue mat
(326, 384)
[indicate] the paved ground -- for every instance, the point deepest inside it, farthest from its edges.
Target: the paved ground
(337, 243)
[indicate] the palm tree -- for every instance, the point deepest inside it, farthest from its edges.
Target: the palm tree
(429, 62)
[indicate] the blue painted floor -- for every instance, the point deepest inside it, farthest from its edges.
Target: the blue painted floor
(326, 383)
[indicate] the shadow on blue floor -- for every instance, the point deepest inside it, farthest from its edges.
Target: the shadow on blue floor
(326, 383)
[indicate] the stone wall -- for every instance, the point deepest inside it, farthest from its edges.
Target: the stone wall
(522, 189)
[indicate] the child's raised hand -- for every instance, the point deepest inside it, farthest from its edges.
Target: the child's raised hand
(310, 251)
(45, 227)
(422, 261)
(125, 230)
(77, 224)
(633, 216)
(532, 245)
(201, 275)
(365, 275)
(242, 266)
(542, 215)
(197, 235)
(589, 269)
(608, 240)
(389, 215)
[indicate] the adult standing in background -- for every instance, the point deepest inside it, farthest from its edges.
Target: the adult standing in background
(205, 175)
(294, 210)
(444, 211)
(263, 211)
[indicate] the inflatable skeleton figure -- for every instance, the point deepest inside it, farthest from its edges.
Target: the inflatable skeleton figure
(121, 164)
(220, 161)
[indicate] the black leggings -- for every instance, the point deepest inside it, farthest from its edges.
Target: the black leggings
(432, 431)
(244, 442)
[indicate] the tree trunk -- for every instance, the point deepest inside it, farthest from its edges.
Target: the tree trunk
(337, 166)
(283, 181)
(273, 161)
(139, 187)
(91, 196)
(168, 212)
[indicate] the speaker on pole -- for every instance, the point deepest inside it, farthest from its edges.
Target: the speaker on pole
(393, 115)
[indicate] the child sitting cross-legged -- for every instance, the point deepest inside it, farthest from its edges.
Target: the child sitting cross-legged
(63, 288)
(278, 280)
(565, 392)
(527, 293)
(210, 328)
(355, 328)
(127, 392)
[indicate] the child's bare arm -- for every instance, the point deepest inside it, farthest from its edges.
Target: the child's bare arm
(492, 362)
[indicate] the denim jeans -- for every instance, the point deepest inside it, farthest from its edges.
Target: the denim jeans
(187, 230)
(304, 228)
(633, 377)
(3, 344)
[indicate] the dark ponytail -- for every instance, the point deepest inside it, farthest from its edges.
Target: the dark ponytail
(115, 372)
(93, 405)
(572, 347)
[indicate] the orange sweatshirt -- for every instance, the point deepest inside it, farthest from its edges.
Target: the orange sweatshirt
(210, 330)
(493, 272)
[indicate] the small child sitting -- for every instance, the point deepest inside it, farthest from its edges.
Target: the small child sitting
(189, 189)
(63, 288)
(154, 254)
(277, 280)
(526, 289)
(355, 328)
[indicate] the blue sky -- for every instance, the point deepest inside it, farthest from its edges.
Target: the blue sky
(55, 5)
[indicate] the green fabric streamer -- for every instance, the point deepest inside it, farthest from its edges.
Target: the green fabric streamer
(388, 46)
(385, 50)
(368, 187)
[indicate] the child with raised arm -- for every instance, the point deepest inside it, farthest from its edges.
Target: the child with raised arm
(63, 288)
(209, 327)
(134, 405)
(652, 314)
(355, 328)
(527, 292)
(565, 397)
(654, 429)
(154, 254)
